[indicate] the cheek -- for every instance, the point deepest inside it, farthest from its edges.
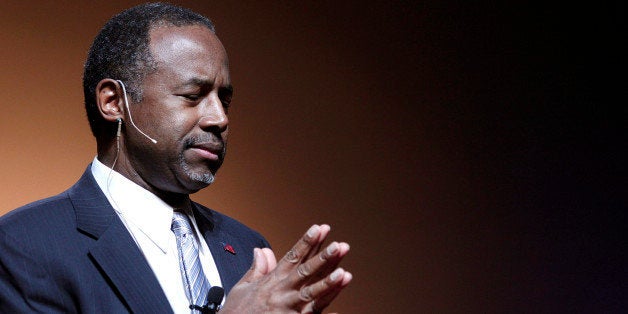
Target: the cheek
(174, 127)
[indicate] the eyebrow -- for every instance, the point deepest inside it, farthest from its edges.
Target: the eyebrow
(195, 81)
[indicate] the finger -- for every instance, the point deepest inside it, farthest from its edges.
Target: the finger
(326, 299)
(324, 231)
(320, 294)
(320, 266)
(301, 249)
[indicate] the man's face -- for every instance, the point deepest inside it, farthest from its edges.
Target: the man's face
(184, 107)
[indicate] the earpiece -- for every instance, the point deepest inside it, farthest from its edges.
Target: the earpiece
(117, 148)
(126, 104)
(119, 127)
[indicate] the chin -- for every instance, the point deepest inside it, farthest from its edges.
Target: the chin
(197, 177)
(191, 185)
(205, 178)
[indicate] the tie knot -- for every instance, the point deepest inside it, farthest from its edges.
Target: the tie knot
(181, 224)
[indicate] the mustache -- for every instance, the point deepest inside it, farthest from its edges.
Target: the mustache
(207, 140)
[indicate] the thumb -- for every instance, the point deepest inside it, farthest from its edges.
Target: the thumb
(271, 261)
(259, 267)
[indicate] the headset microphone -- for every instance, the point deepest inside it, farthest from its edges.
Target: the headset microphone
(126, 104)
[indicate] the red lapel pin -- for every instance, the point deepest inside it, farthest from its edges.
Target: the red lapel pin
(229, 249)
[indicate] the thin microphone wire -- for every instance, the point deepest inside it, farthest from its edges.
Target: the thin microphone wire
(126, 104)
(115, 205)
(115, 160)
(117, 148)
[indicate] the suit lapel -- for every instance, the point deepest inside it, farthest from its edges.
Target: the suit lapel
(115, 252)
(120, 259)
(229, 265)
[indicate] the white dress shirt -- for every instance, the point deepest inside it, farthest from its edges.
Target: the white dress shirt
(149, 220)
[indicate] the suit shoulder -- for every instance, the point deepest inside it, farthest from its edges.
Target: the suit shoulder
(50, 208)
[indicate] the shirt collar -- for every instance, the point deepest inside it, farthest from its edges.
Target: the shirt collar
(135, 205)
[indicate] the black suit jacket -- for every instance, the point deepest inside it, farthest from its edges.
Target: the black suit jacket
(72, 254)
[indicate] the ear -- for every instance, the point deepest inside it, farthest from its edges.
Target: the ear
(110, 100)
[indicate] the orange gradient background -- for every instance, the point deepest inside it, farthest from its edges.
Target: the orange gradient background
(438, 140)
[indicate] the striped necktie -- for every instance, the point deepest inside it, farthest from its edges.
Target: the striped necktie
(194, 280)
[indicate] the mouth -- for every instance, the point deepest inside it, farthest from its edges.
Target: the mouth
(208, 150)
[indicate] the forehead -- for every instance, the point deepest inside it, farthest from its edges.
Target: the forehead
(194, 49)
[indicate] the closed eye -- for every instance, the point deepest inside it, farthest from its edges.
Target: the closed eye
(225, 94)
(191, 97)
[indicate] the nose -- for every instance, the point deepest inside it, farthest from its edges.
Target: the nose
(213, 115)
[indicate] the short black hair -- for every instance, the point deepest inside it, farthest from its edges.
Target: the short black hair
(121, 51)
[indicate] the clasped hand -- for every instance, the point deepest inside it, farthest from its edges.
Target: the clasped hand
(305, 280)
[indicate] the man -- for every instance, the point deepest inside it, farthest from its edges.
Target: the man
(157, 94)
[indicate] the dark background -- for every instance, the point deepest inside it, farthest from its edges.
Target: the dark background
(472, 154)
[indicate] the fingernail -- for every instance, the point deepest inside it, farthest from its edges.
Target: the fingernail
(332, 248)
(335, 274)
(313, 231)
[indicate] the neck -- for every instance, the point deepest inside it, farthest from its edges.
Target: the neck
(108, 155)
(106, 152)
(177, 201)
